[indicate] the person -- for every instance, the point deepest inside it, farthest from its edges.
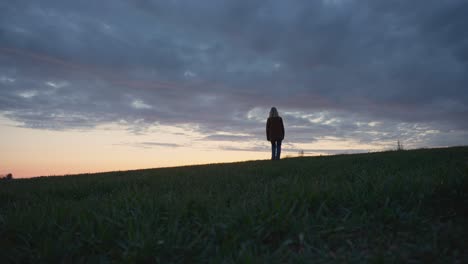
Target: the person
(275, 133)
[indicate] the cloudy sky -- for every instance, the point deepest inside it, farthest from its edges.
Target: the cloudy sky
(124, 84)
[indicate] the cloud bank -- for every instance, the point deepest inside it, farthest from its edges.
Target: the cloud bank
(371, 71)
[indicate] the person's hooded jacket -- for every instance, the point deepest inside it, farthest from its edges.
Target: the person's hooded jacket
(275, 128)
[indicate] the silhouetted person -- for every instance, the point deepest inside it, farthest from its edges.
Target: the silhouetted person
(275, 133)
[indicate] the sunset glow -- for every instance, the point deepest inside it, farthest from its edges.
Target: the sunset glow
(104, 86)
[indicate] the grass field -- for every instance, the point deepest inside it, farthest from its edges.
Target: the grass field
(388, 207)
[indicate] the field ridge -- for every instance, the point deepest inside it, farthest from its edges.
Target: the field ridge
(394, 206)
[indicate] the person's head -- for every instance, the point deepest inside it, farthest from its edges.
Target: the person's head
(274, 112)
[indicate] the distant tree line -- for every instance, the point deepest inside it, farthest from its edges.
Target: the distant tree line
(9, 176)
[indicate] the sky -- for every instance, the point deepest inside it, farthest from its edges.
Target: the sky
(88, 86)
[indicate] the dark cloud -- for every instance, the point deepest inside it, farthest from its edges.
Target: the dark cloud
(151, 144)
(229, 138)
(330, 67)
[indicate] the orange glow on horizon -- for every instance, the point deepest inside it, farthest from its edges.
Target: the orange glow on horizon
(29, 152)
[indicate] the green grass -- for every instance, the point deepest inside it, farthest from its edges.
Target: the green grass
(388, 207)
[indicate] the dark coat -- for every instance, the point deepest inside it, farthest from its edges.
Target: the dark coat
(274, 129)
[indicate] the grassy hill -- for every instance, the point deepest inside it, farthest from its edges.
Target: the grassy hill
(400, 206)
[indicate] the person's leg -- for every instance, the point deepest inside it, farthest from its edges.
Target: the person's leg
(273, 149)
(278, 149)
